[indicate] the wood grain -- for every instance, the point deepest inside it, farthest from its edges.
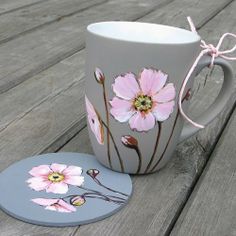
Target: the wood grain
(27, 19)
(11, 5)
(26, 56)
(212, 206)
(50, 124)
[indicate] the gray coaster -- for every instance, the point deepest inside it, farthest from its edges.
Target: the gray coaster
(62, 189)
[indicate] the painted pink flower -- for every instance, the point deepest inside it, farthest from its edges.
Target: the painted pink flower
(142, 101)
(94, 121)
(54, 204)
(55, 178)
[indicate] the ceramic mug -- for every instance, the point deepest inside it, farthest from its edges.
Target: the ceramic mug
(134, 72)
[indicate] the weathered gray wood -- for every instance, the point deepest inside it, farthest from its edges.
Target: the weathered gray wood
(21, 100)
(26, 56)
(79, 143)
(211, 210)
(30, 18)
(43, 120)
(11, 5)
(177, 10)
(10, 227)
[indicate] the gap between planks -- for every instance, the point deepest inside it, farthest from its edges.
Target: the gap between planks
(212, 189)
(37, 27)
(22, 7)
(195, 182)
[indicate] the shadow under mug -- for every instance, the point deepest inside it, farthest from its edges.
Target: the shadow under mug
(134, 72)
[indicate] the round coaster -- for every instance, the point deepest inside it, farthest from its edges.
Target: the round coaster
(62, 189)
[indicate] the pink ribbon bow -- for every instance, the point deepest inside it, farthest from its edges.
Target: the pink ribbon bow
(213, 52)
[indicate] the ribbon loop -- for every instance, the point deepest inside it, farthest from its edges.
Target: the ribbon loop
(211, 50)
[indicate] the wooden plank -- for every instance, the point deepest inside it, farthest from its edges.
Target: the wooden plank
(23, 99)
(177, 11)
(158, 199)
(212, 206)
(79, 143)
(26, 56)
(43, 120)
(33, 17)
(11, 5)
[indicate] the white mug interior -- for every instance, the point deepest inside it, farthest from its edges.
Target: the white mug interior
(143, 32)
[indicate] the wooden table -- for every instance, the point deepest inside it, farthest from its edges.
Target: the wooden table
(41, 110)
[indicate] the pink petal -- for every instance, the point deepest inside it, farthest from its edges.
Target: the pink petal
(121, 109)
(97, 129)
(94, 122)
(59, 187)
(44, 201)
(73, 170)
(51, 208)
(40, 170)
(152, 81)
(166, 94)
(126, 86)
(65, 207)
(89, 107)
(57, 167)
(74, 180)
(38, 183)
(142, 122)
(162, 111)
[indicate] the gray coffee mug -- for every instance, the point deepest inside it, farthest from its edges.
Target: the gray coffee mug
(134, 72)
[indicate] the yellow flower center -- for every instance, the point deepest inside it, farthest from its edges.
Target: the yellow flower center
(143, 103)
(56, 177)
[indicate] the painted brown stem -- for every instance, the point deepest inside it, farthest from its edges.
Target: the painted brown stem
(91, 191)
(117, 151)
(108, 125)
(186, 97)
(110, 189)
(155, 148)
(167, 144)
(105, 199)
(139, 158)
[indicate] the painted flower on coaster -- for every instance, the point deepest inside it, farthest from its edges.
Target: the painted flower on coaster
(54, 204)
(94, 121)
(143, 100)
(55, 178)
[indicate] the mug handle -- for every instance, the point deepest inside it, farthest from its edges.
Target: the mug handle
(220, 101)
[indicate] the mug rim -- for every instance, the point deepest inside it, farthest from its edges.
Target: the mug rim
(140, 27)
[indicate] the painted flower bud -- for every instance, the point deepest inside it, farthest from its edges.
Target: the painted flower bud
(77, 201)
(129, 141)
(93, 173)
(99, 76)
(188, 95)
